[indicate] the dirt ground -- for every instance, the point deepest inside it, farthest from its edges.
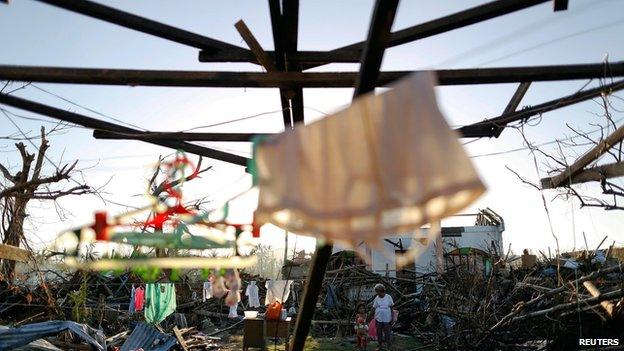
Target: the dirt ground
(235, 342)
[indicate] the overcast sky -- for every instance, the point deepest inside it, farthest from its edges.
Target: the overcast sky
(34, 33)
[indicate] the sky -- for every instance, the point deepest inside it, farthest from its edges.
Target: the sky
(38, 34)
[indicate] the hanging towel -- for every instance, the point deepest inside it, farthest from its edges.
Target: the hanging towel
(387, 164)
(277, 290)
(131, 306)
(160, 301)
(139, 299)
(252, 294)
(331, 300)
(207, 291)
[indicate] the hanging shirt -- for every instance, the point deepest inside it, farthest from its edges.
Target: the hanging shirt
(160, 301)
(139, 299)
(207, 291)
(277, 290)
(383, 308)
(131, 307)
(252, 294)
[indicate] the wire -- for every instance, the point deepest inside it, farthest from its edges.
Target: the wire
(518, 33)
(557, 39)
(85, 108)
(235, 120)
(554, 141)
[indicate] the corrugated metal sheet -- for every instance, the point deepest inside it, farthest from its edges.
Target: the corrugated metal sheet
(149, 339)
(12, 338)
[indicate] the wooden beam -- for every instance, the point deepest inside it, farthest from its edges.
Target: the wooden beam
(290, 33)
(303, 58)
(593, 174)
(592, 155)
(261, 56)
(513, 104)
(378, 34)
(145, 25)
(376, 43)
(488, 127)
(560, 5)
(220, 79)
(352, 53)
(13, 253)
(280, 58)
(180, 136)
(93, 123)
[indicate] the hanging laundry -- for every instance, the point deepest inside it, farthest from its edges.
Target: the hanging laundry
(207, 291)
(277, 290)
(252, 294)
(233, 311)
(160, 301)
(218, 289)
(331, 300)
(387, 164)
(131, 305)
(139, 299)
(232, 281)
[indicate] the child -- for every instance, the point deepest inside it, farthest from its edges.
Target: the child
(361, 328)
(383, 314)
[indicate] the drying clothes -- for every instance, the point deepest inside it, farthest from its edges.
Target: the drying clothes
(217, 286)
(233, 311)
(277, 290)
(131, 306)
(387, 164)
(139, 299)
(331, 300)
(252, 294)
(160, 301)
(233, 283)
(207, 291)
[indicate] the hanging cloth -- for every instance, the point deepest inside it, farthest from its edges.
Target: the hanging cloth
(331, 300)
(233, 311)
(252, 294)
(387, 164)
(207, 291)
(131, 305)
(139, 299)
(161, 301)
(277, 290)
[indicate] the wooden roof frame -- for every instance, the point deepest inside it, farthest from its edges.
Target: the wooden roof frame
(290, 77)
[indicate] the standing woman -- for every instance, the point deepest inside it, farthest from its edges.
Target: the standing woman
(383, 314)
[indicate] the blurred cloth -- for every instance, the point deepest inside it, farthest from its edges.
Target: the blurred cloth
(387, 164)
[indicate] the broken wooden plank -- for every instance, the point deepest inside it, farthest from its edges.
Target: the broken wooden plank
(255, 47)
(593, 290)
(181, 340)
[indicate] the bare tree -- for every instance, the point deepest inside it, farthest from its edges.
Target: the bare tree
(600, 165)
(26, 184)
